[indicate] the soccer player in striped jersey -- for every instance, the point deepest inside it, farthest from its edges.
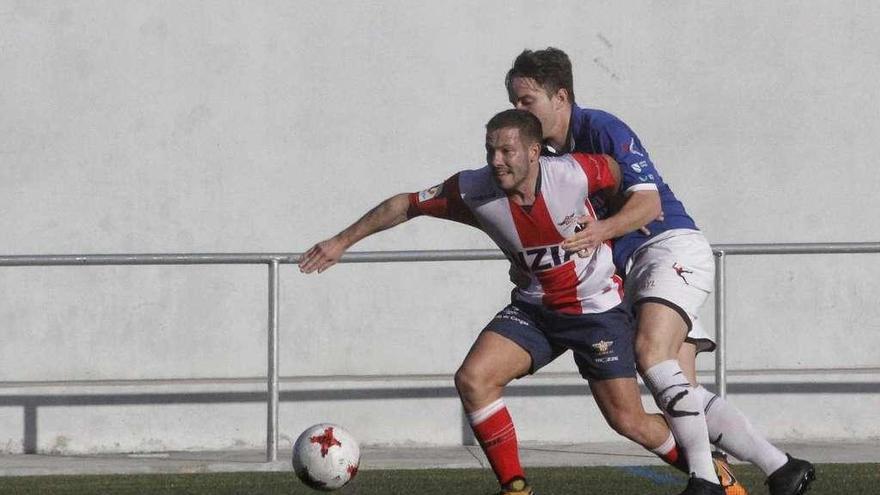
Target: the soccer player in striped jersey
(528, 205)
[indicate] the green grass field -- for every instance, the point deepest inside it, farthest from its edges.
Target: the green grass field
(832, 479)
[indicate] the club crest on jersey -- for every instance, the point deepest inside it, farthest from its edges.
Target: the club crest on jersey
(539, 259)
(430, 193)
(568, 220)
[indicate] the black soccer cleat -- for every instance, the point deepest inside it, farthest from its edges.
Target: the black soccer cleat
(793, 478)
(699, 486)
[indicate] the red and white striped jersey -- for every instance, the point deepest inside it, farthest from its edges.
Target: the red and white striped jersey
(544, 274)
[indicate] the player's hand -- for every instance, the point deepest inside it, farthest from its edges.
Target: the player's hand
(321, 256)
(589, 234)
(645, 230)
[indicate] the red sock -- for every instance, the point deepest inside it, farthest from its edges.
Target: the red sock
(675, 459)
(497, 437)
(671, 454)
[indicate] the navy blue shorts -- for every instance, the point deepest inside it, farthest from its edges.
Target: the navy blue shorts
(602, 343)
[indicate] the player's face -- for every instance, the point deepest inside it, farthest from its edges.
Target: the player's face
(510, 158)
(528, 95)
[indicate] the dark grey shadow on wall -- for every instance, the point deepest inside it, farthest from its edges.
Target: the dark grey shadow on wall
(30, 429)
(32, 403)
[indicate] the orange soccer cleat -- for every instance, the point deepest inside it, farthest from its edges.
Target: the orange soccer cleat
(725, 475)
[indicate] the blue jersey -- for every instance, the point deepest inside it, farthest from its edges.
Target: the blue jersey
(595, 131)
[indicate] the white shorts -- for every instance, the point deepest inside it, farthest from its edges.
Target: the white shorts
(678, 269)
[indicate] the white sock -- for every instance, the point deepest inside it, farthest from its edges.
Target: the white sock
(684, 413)
(666, 447)
(485, 413)
(732, 431)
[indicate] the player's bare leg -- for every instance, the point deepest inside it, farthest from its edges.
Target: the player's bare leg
(621, 404)
(492, 363)
(687, 359)
(661, 331)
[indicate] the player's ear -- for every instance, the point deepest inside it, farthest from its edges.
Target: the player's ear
(561, 96)
(534, 151)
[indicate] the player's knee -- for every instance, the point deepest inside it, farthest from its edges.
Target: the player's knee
(654, 347)
(470, 383)
(648, 353)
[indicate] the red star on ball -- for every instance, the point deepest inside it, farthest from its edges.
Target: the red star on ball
(326, 441)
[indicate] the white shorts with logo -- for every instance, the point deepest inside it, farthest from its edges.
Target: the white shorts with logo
(677, 269)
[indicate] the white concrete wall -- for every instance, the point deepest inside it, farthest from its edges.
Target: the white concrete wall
(266, 126)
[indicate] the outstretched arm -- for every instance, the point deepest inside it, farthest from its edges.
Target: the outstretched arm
(387, 214)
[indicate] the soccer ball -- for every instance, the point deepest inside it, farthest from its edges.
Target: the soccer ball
(326, 457)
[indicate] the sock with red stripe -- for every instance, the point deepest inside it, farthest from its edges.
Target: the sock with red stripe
(493, 428)
(671, 455)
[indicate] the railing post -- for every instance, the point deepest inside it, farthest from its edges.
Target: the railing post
(272, 373)
(720, 325)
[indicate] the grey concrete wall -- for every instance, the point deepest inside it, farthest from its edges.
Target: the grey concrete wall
(266, 126)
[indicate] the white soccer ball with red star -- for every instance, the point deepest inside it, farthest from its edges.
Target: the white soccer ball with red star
(326, 457)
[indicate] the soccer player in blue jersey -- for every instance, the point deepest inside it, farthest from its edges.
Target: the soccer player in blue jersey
(669, 271)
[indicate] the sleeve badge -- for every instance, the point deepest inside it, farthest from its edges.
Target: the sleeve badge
(430, 193)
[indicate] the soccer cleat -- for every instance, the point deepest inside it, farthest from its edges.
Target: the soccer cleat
(725, 475)
(793, 478)
(516, 486)
(699, 486)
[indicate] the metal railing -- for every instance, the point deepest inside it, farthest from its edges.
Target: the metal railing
(274, 260)
(721, 252)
